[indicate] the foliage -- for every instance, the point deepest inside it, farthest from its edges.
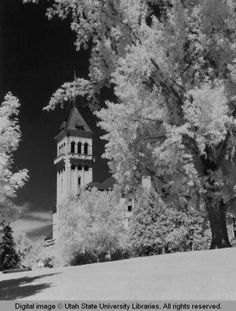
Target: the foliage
(171, 65)
(9, 141)
(47, 256)
(156, 228)
(48, 262)
(90, 227)
(23, 246)
(32, 253)
(9, 259)
(83, 257)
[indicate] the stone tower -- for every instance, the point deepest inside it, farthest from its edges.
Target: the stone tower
(74, 161)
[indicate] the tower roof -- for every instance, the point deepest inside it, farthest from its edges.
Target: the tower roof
(75, 121)
(74, 125)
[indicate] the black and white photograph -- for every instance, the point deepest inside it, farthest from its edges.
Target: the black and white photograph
(118, 154)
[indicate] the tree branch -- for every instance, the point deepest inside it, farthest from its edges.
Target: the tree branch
(170, 90)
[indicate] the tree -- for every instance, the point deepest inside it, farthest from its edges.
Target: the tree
(9, 258)
(157, 228)
(91, 225)
(23, 246)
(10, 180)
(172, 67)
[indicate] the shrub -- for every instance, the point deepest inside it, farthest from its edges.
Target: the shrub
(82, 258)
(157, 228)
(90, 227)
(120, 253)
(48, 262)
(37, 252)
(24, 247)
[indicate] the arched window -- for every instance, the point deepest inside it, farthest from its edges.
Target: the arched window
(86, 148)
(72, 148)
(79, 148)
(86, 168)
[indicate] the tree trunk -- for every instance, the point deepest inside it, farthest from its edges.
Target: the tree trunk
(217, 218)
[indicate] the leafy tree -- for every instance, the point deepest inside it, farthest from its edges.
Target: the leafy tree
(10, 136)
(9, 258)
(23, 246)
(156, 228)
(172, 66)
(91, 226)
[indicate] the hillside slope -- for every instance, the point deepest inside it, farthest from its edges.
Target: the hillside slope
(193, 275)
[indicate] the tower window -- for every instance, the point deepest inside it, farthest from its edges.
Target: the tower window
(79, 127)
(79, 148)
(79, 167)
(86, 168)
(79, 181)
(72, 149)
(86, 148)
(72, 167)
(129, 208)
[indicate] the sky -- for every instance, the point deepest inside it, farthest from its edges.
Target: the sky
(36, 57)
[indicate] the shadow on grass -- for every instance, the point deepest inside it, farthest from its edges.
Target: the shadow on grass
(21, 287)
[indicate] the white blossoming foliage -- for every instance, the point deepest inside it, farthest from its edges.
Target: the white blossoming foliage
(171, 65)
(207, 111)
(10, 136)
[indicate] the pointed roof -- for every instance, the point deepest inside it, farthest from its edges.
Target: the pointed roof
(75, 125)
(76, 121)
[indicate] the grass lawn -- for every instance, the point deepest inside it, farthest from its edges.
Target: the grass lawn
(192, 275)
